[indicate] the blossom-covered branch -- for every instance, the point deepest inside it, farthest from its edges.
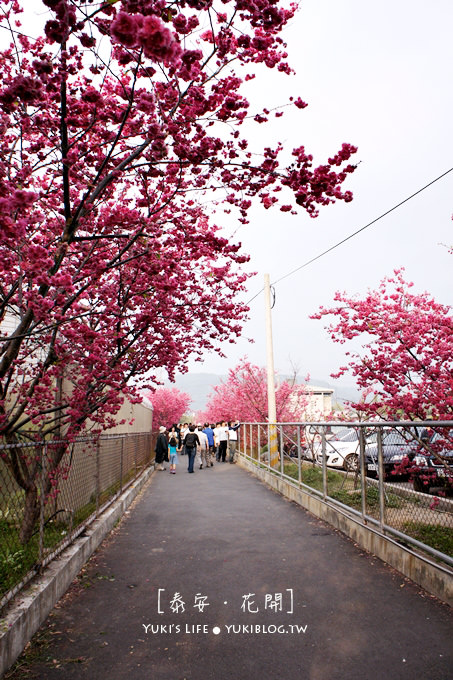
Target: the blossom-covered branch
(406, 365)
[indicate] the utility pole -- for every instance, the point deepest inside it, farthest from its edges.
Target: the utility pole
(271, 406)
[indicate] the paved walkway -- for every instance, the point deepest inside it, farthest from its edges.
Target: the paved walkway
(221, 535)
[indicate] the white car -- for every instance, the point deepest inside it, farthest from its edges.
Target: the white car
(342, 448)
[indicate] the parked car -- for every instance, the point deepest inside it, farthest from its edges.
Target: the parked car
(398, 448)
(342, 448)
(431, 473)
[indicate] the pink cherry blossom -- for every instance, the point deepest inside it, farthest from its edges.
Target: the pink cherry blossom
(243, 396)
(111, 268)
(406, 365)
(169, 405)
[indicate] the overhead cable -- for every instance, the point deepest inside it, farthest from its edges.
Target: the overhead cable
(329, 250)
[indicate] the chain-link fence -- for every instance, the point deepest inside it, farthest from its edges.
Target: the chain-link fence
(396, 477)
(50, 491)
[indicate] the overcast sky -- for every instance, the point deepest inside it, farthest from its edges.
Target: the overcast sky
(377, 75)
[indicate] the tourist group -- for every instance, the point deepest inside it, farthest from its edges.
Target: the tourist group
(201, 444)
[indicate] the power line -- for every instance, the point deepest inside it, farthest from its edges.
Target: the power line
(329, 250)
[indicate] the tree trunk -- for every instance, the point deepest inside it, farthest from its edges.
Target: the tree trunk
(31, 514)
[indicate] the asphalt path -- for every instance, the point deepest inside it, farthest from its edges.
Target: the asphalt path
(214, 576)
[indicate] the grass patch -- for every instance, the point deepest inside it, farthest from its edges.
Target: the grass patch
(84, 512)
(312, 476)
(16, 560)
(438, 537)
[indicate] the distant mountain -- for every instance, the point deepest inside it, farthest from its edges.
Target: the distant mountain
(200, 386)
(345, 393)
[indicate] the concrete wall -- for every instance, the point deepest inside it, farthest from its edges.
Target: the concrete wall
(140, 414)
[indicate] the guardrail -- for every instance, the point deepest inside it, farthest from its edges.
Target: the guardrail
(368, 470)
(91, 475)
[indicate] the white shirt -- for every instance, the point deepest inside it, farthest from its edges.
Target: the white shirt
(233, 435)
(203, 439)
(223, 434)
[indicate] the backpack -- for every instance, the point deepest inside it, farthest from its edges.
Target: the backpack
(191, 440)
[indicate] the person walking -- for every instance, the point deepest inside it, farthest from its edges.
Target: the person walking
(182, 433)
(233, 427)
(190, 442)
(178, 434)
(161, 449)
(216, 441)
(203, 449)
(209, 432)
(223, 441)
(172, 449)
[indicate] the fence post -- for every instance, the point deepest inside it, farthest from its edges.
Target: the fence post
(121, 463)
(140, 448)
(98, 475)
(135, 458)
(362, 471)
(324, 461)
(259, 445)
(299, 470)
(245, 441)
(381, 480)
(41, 508)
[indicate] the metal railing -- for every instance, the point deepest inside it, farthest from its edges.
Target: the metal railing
(91, 474)
(395, 477)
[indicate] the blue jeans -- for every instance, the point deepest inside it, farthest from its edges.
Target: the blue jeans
(191, 451)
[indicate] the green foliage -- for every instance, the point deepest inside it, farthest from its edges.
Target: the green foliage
(312, 476)
(17, 560)
(438, 537)
(354, 498)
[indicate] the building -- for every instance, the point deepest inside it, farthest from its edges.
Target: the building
(319, 402)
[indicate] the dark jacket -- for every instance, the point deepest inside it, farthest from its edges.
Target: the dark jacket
(161, 448)
(191, 440)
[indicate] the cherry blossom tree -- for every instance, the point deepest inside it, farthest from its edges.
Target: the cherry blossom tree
(169, 405)
(243, 396)
(406, 365)
(113, 119)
